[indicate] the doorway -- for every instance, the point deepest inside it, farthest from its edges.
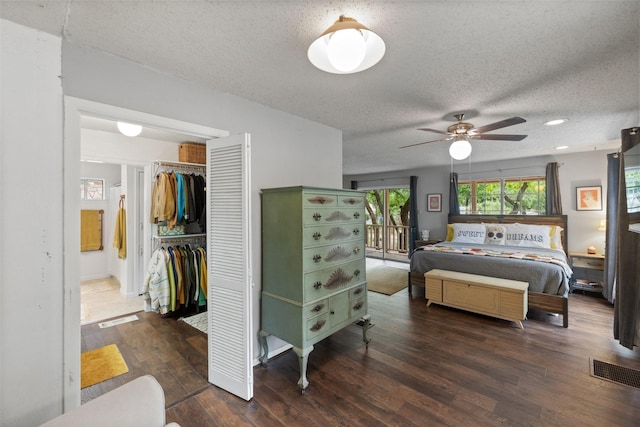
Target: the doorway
(75, 109)
(387, 224)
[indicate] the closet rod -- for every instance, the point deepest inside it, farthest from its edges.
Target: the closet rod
(197, 239)
(181, 165)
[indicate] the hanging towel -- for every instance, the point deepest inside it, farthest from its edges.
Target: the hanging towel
(90, 230)
(120, 235)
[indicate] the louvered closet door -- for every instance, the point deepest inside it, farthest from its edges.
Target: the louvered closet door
(229, 264)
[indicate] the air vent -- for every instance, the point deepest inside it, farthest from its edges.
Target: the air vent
(615, 373)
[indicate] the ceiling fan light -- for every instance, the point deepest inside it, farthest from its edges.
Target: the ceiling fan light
(460, 149)
(555, 122)
(129, 129)
(346, 47)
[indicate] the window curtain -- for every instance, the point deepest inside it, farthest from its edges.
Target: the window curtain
(454, 205)
(613, 184)
(413, 213)
(553, 199)
(627, 305)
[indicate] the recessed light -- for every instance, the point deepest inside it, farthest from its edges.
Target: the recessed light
(562, 147)
(555, 122)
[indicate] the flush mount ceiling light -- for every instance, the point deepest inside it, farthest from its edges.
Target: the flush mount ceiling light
(129, 129)
(346, 47)
(460, 148)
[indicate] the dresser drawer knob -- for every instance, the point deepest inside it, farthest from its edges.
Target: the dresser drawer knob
(358, 291)
(317, 216)
(317, 236)
(317, 285)
(356, 231)
(356, 273)
(318, 307)
(332, 312)
(356, 215)
(358, 306)
(356, 250)
(317, 258)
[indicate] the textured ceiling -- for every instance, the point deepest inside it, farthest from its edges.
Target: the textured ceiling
(539, 60)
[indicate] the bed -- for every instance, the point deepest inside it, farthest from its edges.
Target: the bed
(545, 267)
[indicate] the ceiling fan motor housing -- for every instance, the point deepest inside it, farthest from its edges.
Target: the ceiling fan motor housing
(460, 128)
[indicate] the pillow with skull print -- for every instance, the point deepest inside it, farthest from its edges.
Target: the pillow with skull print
(527, 235)
(468, 233)
(496, 234)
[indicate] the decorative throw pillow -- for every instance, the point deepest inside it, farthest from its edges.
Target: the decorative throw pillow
(556, 237)
(496, 234)
(527, 235)
(468, 233)
(449, 233)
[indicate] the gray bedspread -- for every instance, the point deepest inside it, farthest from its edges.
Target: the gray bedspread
(543, 277)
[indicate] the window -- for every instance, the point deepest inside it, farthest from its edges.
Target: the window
(632, 179)
(507, 196)
(91, 189)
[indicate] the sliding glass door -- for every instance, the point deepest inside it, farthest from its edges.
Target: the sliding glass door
(388, 223)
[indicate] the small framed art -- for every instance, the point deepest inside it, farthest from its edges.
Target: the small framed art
(434, 202)
(589, 198)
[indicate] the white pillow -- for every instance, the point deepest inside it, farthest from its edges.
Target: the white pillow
(527, 235)
(468, 233)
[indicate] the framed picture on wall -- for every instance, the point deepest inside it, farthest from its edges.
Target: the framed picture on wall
(589, 198)
(434, 202)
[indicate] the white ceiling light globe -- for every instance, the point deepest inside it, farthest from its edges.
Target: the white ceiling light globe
(346, 49)
(460, 149)
(129, 129)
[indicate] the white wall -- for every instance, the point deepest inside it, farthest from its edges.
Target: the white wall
(31, 227)
(576, 169)
(286, 150)
(115, 148)
(94, 264)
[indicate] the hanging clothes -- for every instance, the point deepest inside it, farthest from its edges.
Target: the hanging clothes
(156, 288)
(120, 235)
(178, 199)
(176, 279)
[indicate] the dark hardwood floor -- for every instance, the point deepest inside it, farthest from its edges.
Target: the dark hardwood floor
(424, 366)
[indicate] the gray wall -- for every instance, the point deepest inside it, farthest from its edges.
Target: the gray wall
(576, 169)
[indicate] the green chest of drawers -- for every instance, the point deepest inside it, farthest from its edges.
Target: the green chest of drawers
(313, 267)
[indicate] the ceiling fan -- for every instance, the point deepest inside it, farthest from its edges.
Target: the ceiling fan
(462, 131)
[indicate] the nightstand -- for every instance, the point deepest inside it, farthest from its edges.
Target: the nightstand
(588, 272)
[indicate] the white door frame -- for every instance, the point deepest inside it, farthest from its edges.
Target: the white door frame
(74, 108)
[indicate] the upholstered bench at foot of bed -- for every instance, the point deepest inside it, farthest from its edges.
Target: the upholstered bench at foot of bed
(491, 296)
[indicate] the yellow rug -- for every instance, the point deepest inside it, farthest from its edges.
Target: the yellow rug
(100, 365)
(386, 280)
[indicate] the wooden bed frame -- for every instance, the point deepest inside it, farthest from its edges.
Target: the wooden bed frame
(537, 300)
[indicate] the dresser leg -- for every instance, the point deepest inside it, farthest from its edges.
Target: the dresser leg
(303, 358)
(365, 327)
(262, 336)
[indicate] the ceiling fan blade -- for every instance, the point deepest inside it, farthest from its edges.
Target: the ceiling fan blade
(501, 124)
(434, 130)
(498, 137)
(427, 142)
